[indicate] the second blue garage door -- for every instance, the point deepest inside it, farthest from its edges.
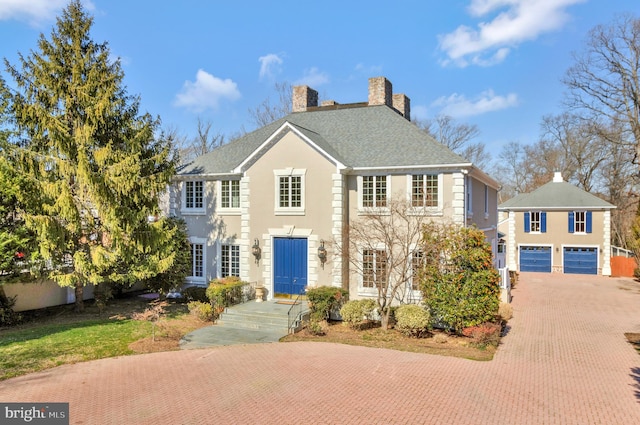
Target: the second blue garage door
(581, 260)
(535, 259)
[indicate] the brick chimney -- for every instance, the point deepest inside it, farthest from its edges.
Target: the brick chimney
(380, 91)
(403, 105)
(303, 98)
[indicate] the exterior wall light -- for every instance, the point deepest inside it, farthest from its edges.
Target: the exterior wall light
(255, 250)
(322, 253)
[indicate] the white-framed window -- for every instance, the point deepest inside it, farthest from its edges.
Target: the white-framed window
(193, 197)
(374, 268)
(486, 201)
(229, 260)
(425, 190)
(580, 221)
(229, 194)
(198, 250)
(373, 192)
(417, 258)
(535, 221)
(290, 191)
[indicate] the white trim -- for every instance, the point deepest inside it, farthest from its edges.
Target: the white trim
(227, 210)
(289, 172)
(184, 210)
(199, 280)
(432, 211)
(274, 135)
(373, 210)
(414, 167)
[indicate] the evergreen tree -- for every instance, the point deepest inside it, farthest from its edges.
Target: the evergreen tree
(95, 163)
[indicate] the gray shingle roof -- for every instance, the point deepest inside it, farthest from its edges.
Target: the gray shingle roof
(555, 195)
(362, 137)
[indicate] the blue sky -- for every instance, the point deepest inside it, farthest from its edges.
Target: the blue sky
(493, 63)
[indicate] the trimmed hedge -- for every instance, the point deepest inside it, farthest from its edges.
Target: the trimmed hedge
(323, 300)
(356, 312)
(413, 320)
(225, 292)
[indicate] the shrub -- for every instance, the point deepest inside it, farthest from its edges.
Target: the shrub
(459, 283)
(225, 292)
(8, 317)
(412, 320)
(356, 312)
(484, 334)
(317, 328)
(636, 272)
(440, 338)
(323, 300)
(195, 293)
(203, 311)
(505, 311)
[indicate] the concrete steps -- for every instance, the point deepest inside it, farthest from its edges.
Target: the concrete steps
(274, 321)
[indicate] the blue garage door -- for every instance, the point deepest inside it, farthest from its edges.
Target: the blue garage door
(535, 259)
(581, 260)
(289, 265)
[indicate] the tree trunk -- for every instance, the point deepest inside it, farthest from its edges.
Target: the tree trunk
(384, 319)
(79, 289)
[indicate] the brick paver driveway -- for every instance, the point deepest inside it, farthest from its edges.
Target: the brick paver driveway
(564, 361)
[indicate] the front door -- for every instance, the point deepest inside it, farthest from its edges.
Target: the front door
(289, 265)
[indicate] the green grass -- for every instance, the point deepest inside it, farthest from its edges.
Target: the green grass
(31, 350)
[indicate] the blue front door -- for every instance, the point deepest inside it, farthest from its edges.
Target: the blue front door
(289, 265)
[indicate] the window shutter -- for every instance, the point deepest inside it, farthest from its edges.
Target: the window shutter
(571, 222)
(543, 222)
(589, 218)
(527, 222)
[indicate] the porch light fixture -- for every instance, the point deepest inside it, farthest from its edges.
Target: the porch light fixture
(322, 253)
(255, 250)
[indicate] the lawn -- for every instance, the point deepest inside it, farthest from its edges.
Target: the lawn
(58, 336)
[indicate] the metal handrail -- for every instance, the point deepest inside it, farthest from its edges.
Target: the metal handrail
(297, 309)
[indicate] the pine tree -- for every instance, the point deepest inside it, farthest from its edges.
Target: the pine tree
(94, 161)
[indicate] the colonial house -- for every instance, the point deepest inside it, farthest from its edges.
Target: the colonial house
(266, 206)
(558, 228)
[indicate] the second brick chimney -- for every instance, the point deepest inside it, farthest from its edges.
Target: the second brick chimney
(380, 91)
(303, 97)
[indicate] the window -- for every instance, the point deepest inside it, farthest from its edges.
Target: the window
(374, 268)
(424, 190)
(194, 195)
(374, 191)
(469, 196)
(230, 194)
(290, 191)
(580, 222)
(486, 201)
(535, 222)
(416, 265)
(197, 260)
(230, 261)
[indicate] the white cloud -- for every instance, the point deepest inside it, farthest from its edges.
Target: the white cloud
(206, 92)
(458, 106)
(492, 41)
(35, 12)
(269, 65)
(313, 77)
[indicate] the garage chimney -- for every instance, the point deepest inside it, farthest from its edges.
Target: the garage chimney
(303, 97)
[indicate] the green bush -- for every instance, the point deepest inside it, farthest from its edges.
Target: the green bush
(225, 292)
(8, 317)
(413, 320)
(203, 311)
(356, 312)
(323, 300)
(195, 293)
(459, 283)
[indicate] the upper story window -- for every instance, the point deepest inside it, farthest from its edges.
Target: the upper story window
(290, 191)
(424, 190)
(193, 196)
(486, 201)
(230, 194)
(469, 196)
(580, 222)
(535, 222)
(374, 193)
